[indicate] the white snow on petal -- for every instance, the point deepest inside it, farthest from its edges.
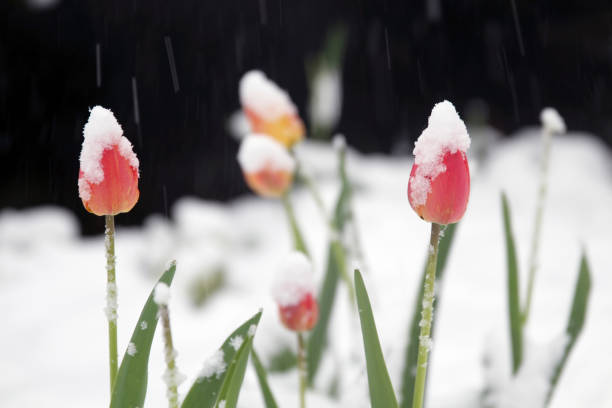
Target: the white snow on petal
(445, 133)
(161, 294)
(552, 121)
(259, 151)
(326, 99)
(264, 97)
(294, 279)
(131, 349)
(101, 132)
(215, 365)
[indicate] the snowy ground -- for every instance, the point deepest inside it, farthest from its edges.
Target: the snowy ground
(53, 341)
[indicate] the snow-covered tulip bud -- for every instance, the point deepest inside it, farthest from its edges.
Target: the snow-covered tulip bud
(269, 109)
(108, 175)
(294, 293)
(267, 166)
(552, 122)
(439, 184)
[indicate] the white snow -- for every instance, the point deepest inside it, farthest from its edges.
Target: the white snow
(259, 151)
(161, 296)
(263, 97)
(221, 404)
(326, 98)
(111, 301)
(445, 133)
(552, 121)
(144, 325)
(236, 342)
(215, 365)
(101, 132)
(252, 330)
(294, 279)
(131, 349)
(63, 279)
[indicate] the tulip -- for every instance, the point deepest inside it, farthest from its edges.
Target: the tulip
(297, 306)
(108, 177)
(439, 183)
(301, 316)
(267, 166)
(108, 185)
(447, 198)
(438, 191)
(269, 109)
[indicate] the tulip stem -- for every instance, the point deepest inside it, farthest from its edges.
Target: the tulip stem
(298, 240)
(535, 241)
(426, 318)
(301, 363)
(172, 377)
(111, 297)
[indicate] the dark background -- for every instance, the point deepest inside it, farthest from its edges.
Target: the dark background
(401, 58)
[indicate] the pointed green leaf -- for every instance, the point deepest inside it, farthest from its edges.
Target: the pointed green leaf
(412, 348)
(207, 392)
(131, 384)
(381, 389)
(266, 392)
(514, 302)
(576, 319)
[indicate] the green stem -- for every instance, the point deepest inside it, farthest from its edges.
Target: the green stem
(301, 362)
(535, 242)
(111, 297)
(426, 318)
(298, 240)
(172, 376)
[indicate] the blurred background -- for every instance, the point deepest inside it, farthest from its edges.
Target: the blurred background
(170, 71)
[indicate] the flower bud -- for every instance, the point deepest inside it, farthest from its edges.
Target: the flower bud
(267, 166)
(439, 184)
(108, 175)
(294, 293)
(269, 109)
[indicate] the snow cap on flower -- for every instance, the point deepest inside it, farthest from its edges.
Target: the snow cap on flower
(266, 164)
(294, 290)
(108, 175)
(269, 109)
(438, 187)
(552, 122)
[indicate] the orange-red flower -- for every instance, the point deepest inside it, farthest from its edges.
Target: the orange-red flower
(301, 316)
(449, 191)
(267, 166)
(439, 184)
(269, 109)
(108, 175)
(294, 293)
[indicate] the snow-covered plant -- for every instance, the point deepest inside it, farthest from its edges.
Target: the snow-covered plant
(297, 305)
(534, 375)
(108, 185)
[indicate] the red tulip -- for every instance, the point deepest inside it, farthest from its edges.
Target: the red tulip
(449, 191)
(439, 184)
(301, 316)
(294, 293)
(108, 176)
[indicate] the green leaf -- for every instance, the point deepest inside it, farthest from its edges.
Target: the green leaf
(208, 392)
(131, 384)
(381, 389)
(336, 268)
(266, 392)
(327, 295)
(514, 302)
(412, 348)
(575, 322)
